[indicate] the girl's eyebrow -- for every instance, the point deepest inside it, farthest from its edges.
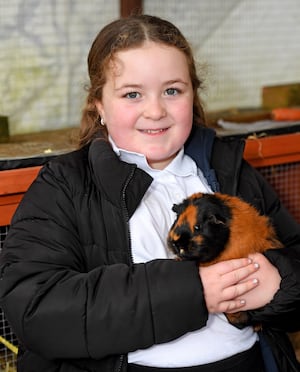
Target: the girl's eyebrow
(131, 86)
(139, 86)
(174, 81)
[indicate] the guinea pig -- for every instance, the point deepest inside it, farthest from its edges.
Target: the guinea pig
(210, 228)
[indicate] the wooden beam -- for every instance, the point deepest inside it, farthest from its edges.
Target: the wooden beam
(13, 184)
(273, 150)
(16, 181)
(129, 7)
(8, 206)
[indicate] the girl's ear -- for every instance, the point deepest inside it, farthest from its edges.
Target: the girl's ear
(100, 110)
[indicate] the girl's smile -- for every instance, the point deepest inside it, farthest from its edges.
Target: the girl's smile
(146, 112)
(153, 131)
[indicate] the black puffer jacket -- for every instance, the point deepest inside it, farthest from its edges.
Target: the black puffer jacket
(69, 287)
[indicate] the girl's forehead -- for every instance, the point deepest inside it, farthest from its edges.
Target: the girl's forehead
(149, 53)
(148, 47)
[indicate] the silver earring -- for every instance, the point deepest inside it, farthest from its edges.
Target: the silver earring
(102, 122)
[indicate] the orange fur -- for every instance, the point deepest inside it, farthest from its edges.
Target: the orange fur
(250, 232)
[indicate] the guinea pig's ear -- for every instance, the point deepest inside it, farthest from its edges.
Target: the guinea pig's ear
(175, 208)
(217, 220)
(178, 208)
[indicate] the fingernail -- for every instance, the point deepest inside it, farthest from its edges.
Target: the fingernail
(255, 281)
(242, 302)
(256, 265)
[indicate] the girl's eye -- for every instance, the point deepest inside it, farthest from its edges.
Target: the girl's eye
(132, 95)
(172, 92)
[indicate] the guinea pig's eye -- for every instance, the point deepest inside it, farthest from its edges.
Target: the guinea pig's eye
(197, 227)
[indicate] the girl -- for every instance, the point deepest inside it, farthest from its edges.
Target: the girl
(87, 281)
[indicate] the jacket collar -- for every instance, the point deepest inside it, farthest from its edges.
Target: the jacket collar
(199, 147)
(115, 178)
(220, 159)
(226, 159)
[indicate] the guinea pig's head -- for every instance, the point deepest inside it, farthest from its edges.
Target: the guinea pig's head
(201, 229)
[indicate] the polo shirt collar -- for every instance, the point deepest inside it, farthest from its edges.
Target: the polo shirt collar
(182, 165)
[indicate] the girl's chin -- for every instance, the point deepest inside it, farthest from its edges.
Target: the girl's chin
(160, 162)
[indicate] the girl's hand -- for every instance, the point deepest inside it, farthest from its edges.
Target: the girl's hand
(226, 283)
(268, 283)
(240, 284)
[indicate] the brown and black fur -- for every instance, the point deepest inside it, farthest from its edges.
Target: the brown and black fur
(210, 228)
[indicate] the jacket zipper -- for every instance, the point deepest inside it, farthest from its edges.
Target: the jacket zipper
(125, 212)
(121, 360)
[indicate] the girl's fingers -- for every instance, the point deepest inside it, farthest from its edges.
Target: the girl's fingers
(225, 267)
(226, 283)
(237, 290)
(238, 275)
(231, 306)
(231, 298)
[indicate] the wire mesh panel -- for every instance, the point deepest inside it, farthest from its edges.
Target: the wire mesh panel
(7, 356)
(285, 179)
(239, 43)
(43, 52)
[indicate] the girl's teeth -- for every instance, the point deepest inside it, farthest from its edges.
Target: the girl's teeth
(151, 131)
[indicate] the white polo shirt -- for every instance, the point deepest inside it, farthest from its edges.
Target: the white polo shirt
(149, 227)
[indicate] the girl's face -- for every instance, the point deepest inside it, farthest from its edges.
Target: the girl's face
(147, 102)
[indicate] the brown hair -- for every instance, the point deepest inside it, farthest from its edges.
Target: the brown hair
(127, 33)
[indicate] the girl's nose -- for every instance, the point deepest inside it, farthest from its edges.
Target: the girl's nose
(155, 109)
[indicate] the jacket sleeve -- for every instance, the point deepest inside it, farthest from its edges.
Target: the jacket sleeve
(282, 313)
(59, 309)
